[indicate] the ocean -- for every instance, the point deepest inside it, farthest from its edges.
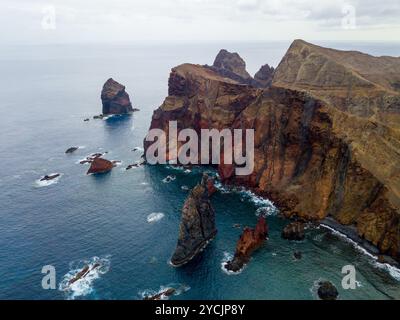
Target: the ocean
(127, 221)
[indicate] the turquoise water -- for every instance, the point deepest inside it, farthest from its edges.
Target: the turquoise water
(45, 93)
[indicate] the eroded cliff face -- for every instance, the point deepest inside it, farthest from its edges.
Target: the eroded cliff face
(114, 98)
(314, 156)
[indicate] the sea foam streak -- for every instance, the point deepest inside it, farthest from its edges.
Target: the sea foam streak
(392, 270)
(84, 286)
(154, 217)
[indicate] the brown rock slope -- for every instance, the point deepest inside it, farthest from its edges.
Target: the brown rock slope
(114, 98)
(318, 153)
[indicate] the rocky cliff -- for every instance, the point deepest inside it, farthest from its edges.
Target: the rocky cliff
(114, 98)
(327, 140)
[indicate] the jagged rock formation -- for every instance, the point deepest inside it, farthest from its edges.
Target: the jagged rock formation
(231, 65)
(100, 165)
(197, 225)
(264, 76)
(327, 139)
(115, 99)
(250, 240)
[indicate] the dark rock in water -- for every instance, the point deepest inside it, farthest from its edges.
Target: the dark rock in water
(71, 150)
(297, 255)
(197, 225)
(83, 273)
(85, 120)
(327, 291)
(135, 109)
(294, 231)
(237, 226)
(114, 98)
(167, 293)
(250, 240)
(264, 76)
(100, 116)
(50, 177)
(100, 165)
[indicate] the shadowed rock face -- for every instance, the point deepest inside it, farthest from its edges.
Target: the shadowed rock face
(250, 240)
(114, 98)
(315, 155)
(197, 225)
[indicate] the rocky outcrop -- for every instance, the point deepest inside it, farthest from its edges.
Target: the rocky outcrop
(231, 65)
(327, 142)
(294, 231)
(327, 291)
(100, 165)
(197, 225)
(71, 150)
(250, 240)
(115, 99)
(50, 177)
(263, 77)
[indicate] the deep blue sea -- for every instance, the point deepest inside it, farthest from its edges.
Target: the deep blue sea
(45, 94)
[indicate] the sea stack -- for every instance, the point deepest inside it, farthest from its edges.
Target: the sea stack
(250, 240)
(197, 225)
(115, 99)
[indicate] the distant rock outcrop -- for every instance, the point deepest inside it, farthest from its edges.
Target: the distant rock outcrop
(115, 99)
(250, 240)
(264, 76)
(71, 150)
(197, 225)
(100, 165)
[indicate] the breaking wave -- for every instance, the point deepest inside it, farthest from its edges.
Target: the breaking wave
(98, 266)
(392, 270)
(154, 217)
(227, 257)
(179, 289)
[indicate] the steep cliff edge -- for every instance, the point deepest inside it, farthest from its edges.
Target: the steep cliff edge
(315, 156)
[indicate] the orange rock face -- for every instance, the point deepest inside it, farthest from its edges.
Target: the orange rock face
(100, 165)
(250, 240)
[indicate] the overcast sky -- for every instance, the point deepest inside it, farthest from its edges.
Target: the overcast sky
(31, 21)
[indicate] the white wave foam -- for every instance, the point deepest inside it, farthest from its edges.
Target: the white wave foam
(169, 179)
(84, 286)
(154, 217)
(392, 270)
(228, 257)
(46, 183)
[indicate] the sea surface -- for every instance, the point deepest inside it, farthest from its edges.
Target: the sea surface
(127, 221)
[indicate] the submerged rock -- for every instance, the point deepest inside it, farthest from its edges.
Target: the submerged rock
(115, 99)
(83, 273)
(197, 225)
(50, 177)
(294, 231)
(71, 150)
(327, 291)
(297, 255)
(100, 165)
(250, 240)
(166, 293)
